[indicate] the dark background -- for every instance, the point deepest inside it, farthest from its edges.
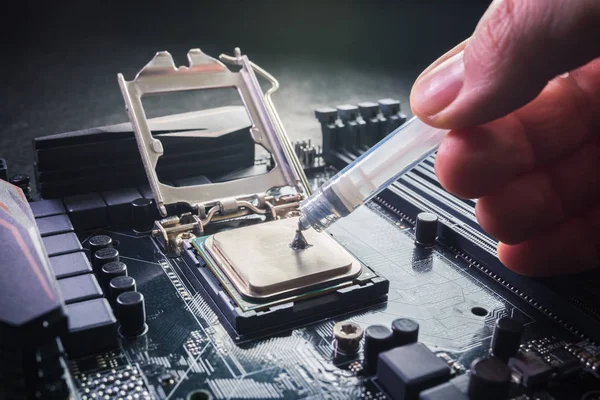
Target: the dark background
(60, 59)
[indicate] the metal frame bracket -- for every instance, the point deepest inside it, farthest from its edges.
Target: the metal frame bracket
(161, 75)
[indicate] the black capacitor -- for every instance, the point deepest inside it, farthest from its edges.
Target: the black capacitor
(3, 170)
(426, 229)
(489, 380)
(378, 338)
(131, 313)
(405, 331)
(506, 338)
(141, 213)
(22, 181)
(99, 242)
(104, 256)
(118, 285)
(111, 270)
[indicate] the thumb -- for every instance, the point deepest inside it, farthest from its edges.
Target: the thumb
(517, 47)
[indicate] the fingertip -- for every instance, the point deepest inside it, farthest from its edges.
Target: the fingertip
(455, 162)
(498, 224)
(496, 73)
(566, 249)
(515, 259)
(447, 165)
(528, 259)
(437, 86)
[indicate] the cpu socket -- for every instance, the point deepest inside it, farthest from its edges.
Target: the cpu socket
(259, 285)
(245, 269)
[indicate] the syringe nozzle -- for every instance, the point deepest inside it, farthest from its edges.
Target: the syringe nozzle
(299, 242)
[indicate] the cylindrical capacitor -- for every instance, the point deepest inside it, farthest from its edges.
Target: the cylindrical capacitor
(489, 380)
(118, 285)
(378, 338)
(131, 313)
(111, 270)
(141, 213)
(426, 229)
(22, 181)
(405, 331)
(104, 256)
(99, 242)
(506, 338)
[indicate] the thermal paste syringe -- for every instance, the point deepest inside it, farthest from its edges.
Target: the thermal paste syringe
(368, 175)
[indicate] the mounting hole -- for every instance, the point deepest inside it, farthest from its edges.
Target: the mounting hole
(199, 395)
(116, 242)
(479, 311)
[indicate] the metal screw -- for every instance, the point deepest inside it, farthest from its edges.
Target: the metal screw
(347, 336)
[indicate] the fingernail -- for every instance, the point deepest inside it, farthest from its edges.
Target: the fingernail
(436, 89)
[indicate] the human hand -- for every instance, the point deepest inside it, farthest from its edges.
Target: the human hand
(522, 97)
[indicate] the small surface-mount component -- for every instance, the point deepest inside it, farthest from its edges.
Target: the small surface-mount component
(131, 312)
(530, 369)
(426, 229)
(407, 370)
(405, 331)
(506, 338)
(378, 338)
(104, 256)
(118, 285)
(563, 360)
(111, 270)
(347, 336)
(61, 244)
(79, 288)
(445, 391)
(87, 211)
(308, 154)
(92, 327)
(266, 267)
(54, 225)
(490, 380)
(70, 265)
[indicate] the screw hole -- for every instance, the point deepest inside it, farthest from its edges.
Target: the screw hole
(479, 311)
(199, 395)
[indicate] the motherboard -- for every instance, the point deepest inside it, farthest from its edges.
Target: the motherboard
(111, 291)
